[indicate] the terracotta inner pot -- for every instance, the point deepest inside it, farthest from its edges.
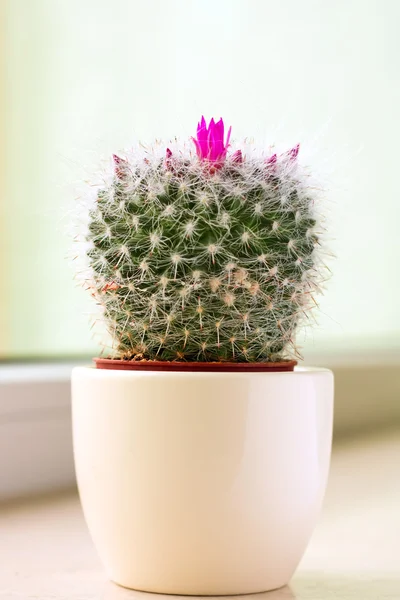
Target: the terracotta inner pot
(162, 365)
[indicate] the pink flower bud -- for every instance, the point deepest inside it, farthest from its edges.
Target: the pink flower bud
(121, 166)
(294, 152)
(237, 157)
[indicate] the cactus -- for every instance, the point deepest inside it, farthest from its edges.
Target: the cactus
(206, 256)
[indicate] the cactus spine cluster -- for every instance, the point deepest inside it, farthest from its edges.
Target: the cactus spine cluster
(207, 257)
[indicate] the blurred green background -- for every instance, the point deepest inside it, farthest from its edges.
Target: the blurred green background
(82, 79)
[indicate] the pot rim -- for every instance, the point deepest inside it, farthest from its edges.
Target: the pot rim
(193, 367)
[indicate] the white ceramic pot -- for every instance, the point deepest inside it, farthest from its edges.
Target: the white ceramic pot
(201, 483)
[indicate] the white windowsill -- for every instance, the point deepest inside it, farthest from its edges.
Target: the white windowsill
(35, 429)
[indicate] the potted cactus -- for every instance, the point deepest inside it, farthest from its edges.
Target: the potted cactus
(201, 452)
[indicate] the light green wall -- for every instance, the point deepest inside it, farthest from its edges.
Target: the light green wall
(85, 78)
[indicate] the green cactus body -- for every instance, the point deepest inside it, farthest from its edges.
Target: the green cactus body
(200, 262)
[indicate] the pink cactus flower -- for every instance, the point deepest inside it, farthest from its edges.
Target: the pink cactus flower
(210, 141)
